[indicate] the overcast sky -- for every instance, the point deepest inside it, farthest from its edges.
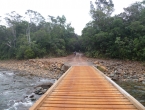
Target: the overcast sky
(75, 11)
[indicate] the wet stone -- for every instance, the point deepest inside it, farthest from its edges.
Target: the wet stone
(112, 74)
(40, 93)
(140, 79)
(37, 90)
(44, 90)
(33, 99)
(143, 82)
(115, 78)
(31, 96)
(135, 80)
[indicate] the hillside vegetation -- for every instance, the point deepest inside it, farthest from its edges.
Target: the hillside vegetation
(120, 36)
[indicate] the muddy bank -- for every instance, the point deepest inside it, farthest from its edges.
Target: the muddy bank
(119, 70)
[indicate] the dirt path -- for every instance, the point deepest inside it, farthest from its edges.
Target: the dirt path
(77, 60)
(118, 70)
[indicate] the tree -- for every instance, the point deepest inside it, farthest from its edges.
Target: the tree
(13, 19)
(35, 18)
(120, 36)
(24, 38)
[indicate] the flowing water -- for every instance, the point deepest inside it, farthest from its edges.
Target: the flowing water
(15, 89)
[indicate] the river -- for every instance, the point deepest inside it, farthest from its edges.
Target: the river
(15, 89)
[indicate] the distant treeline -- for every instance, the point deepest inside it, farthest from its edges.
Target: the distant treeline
(121, 36)
(37, 38)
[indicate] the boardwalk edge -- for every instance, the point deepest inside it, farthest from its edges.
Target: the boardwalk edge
(135, 102)
(40, 100)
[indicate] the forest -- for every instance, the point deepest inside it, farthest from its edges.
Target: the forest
(119, 36)
(37, 37)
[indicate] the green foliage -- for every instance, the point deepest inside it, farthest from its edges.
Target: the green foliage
(121, 36)
(29, 53)
(24, 40)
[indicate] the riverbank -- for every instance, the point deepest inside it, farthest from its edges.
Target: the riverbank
(26, 80)
(119, 70)
(48, 68)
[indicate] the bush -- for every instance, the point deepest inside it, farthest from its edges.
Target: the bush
(20, 52)
(25, 52)
(60, 52)
(29, 53)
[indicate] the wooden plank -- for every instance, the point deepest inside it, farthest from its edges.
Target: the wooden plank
(90, 100)
(64, 90)
(66, 108)
(77, 102)
(84, 97)
(85, 94)
(99, 91)
(89, 106)
(82, 88)
(86, 86)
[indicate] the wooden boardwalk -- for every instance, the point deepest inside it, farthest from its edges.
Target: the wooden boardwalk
(85, 88)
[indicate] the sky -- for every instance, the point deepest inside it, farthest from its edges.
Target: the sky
(75, 11)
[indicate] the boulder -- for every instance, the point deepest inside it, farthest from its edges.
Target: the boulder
(111, 75)
(58, 72)
(31, 95)
(96, 62)
(134, 80)
(40, 93)
(134, 77)
(59, 65)
(115, 78)
(119, 71)
(63, 68)
(45, 85)
(33, 99)
(37, 90)
(140, 79)
(101, 68)
(44, 90)
(143, 82)
(125, 76)
(104, 68)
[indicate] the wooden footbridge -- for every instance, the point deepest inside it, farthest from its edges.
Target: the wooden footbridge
(86, 88)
